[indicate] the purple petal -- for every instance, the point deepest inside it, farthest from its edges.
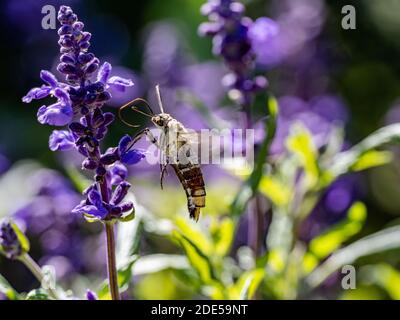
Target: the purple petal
(119, 83)
(109, 157)
(95, 198)
(104, 72)
(123, 143)
(62, 95)
(56, 114)
(77, 128)
(90, 295)
(120, 192)
(118, 173)
(108, 118)
(263, 29)
(36, 93)
(49, 78)
(61, 140)
(132, 157)
(90, 210)
(126, 206)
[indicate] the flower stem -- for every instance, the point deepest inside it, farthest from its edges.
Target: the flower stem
(35, 269)
(111, 262)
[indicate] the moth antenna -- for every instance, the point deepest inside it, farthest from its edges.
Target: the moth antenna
(159, 98)
(134, 108)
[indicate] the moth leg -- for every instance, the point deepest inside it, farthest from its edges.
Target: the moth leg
(163, 168)
(151, 137)
(137, 137)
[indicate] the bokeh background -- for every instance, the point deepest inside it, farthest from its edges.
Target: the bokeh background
(356, 73)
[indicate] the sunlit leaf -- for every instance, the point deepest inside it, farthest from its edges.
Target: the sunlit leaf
(301, 144)
(7, 289)
(215, 292)
(371, 159)
(159, 262)
(250, 186)
(22, 239)
(222, 233)
(246, 285)
(276, 191)
(276, 260)
(128, 237)
(324, 244)
(344, 161)
(385, 276)
(192, 232)
(196, 257)
(128, 216)
(380, 241)
(37, 294)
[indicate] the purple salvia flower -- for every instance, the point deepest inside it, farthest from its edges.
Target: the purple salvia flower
(129, 156)
(118, 173)
(9, 242)
(61, 140)
(230, 32)
(79, 105)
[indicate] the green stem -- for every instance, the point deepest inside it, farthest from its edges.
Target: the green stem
(111, 262)
(35, 269)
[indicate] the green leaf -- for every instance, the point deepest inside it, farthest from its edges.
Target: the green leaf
(7, 289)
(222, 234)
(23, 240)
(275, 190)
(37, 294)
(344, 161)
(128, 239)
(370, 159)
(196, 257)
(192, 232)
(383, 240)
(330, 240)
(385, 276)
(159, 262)
(128, 216)
(78, 179)
(250, 186)
(246, 285)
(301, 144)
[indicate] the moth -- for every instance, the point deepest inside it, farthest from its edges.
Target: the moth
(178, 150)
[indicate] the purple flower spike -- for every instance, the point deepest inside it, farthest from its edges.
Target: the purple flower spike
(79, 102)
(61, 140)
(232, 40)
